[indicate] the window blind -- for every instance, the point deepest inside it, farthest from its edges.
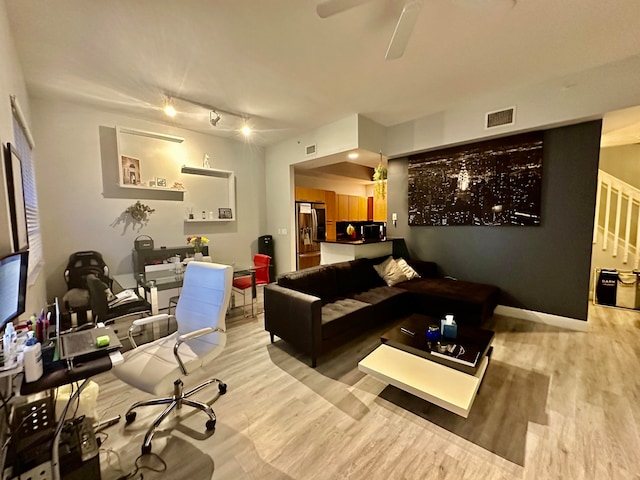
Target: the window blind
(23, 143)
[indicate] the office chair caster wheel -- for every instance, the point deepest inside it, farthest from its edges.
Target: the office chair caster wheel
(211, 424)
(222, 388)
(146, 449)
(130, 417)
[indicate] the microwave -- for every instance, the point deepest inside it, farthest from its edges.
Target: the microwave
(372, 232)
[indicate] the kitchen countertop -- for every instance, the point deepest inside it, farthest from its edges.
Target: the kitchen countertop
(359, 241)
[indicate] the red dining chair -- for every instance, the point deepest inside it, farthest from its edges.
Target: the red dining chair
(260, 270)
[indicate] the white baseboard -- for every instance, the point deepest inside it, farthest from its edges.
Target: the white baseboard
(546, 318)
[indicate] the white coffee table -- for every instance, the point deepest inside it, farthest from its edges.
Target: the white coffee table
(417, 373)
(443, 386)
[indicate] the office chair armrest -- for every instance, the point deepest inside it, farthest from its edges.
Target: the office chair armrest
(151, 319)
(190, 336)
(139, 322)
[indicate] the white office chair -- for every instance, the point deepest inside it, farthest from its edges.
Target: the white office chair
(161, 367)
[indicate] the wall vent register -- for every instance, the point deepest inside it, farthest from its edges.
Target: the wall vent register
(500, 118)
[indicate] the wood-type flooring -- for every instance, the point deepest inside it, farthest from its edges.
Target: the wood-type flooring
(554, 404)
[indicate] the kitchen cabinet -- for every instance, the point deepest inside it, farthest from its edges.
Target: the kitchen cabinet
(379, 208)
(351, 208)
(362, 209)
(354, 208)
(339, 207)
(343, 207)
(305, 194)
(330, 214)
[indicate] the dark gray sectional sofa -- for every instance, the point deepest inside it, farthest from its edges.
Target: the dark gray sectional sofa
(321, 307)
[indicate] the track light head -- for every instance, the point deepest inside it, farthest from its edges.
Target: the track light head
(169, 109)
(214, 118)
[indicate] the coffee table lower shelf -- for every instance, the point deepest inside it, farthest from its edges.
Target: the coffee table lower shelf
(438, 384)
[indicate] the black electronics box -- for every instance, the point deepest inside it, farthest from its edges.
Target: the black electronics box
(143, 242)
(29, 451)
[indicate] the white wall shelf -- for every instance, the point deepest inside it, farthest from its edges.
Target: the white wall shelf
(158, 136)
(226, 176)
(146, 187)
(148, 159)
(207, 220)
(211, 172)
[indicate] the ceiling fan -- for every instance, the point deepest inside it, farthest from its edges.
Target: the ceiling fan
(404, 26)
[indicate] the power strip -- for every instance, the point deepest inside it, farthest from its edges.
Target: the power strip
(87, 440)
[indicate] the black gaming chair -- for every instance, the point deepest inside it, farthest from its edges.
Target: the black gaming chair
(76, 300)
(108, 309)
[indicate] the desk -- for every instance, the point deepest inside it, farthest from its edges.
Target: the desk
(152, 282)
(59, 375)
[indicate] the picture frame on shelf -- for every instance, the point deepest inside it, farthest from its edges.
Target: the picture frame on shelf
(225, 213)
(130, 170)
(161, 182)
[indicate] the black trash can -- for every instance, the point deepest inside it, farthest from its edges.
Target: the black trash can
(607, 286)
(265, 247)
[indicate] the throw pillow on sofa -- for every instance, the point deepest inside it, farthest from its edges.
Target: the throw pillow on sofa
(390, 272)
(406, 268)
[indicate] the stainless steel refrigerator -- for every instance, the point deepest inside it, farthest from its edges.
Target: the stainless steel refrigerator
(310, 231)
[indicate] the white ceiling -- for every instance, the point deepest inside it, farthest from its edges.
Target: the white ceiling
(290, 71)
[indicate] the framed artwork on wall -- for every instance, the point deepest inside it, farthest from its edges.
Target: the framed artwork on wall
(489, 183)
(225, 213)
(15, 194)
(130, 170)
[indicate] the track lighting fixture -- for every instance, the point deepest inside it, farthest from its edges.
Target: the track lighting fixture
(215, 114)
(169, 108)
(214, 118)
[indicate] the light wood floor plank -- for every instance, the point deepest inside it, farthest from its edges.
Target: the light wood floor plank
(554, 404)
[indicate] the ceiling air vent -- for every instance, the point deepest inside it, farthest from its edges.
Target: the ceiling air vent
(310, 149)
(500, 118)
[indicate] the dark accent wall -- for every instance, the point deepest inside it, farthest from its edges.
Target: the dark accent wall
(545, 268)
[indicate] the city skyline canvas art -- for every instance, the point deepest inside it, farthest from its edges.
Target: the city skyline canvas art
(491, 183)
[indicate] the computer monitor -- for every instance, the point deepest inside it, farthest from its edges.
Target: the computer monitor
(13, 286)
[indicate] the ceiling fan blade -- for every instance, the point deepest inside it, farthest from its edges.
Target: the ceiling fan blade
(403, 30)
(331, 7)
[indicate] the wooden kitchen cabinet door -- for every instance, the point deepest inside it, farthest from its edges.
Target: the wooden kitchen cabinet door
(379, 208)
(354, 205)
(343, 207)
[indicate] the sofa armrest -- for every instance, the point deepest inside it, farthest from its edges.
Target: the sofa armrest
(293, 316)
(425, 269)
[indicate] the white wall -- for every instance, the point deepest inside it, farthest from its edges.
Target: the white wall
(12, 83)
(622, 162)
(575, 98)
(343, 187)
(583, 96)
(80, 202)
(336, 137)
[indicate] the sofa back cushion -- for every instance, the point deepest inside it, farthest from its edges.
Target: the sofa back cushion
(424, 268)
(364, 276)
(344, 279)
(318, 281)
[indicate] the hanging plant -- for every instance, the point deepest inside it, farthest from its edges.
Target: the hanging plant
(139, 212)
(380, 177)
